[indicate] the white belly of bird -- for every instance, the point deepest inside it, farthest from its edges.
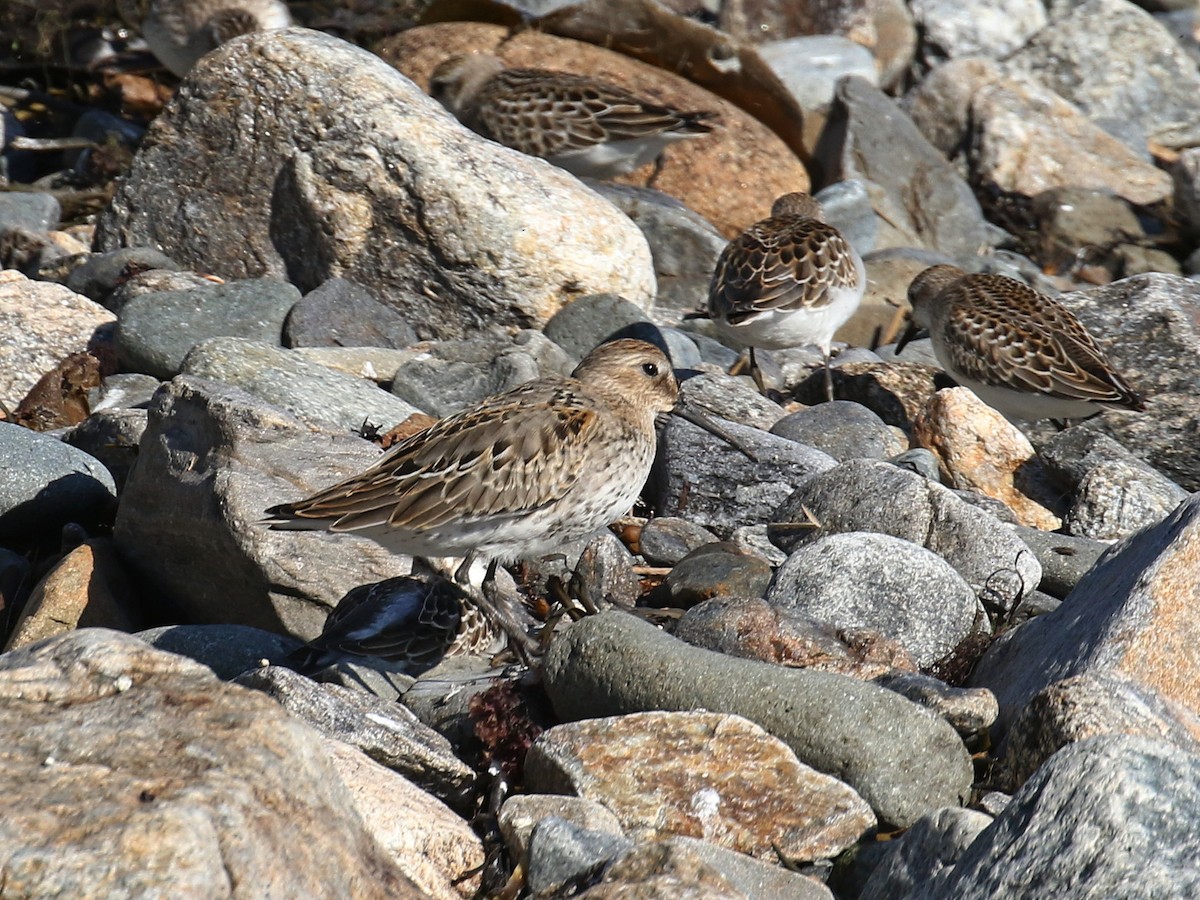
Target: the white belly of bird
(1027, 405)
(776, 329)
(607, 160)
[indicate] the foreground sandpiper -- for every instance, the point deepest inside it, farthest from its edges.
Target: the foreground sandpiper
(1021, 352)
(411, 622)
(516, 476)
(788, 281)
(179, 32)
(586, 126)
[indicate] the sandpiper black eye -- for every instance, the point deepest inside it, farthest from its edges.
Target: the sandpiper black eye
(650, 369)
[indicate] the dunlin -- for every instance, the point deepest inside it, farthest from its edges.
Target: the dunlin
(412, 622)
(179, 32)
(583, 125)
(517, 476)
(787, 281)
(1021, 352)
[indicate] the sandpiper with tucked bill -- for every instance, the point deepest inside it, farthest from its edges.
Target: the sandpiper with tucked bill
(1020, 351)
(411, 622)
(787, 281)
(179, 32)
(516, 476)
(586, 126)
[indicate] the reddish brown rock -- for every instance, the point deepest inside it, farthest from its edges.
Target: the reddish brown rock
(730, 177)
(87, 588)
(699, 774)
(984, 452)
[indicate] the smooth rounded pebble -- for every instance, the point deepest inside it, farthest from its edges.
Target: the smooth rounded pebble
(903, 760)
(45, 483)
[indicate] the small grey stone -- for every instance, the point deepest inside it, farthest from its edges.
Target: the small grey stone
(994, 802)
(1064, 558)
(714, 570)
(111, 436)
(560, 851)
(843, 429)
(713, 351)
(754, 877)
(521, 813)
(36, 211)
(100, 275)
(920, 462)
(443, 377)
(341, 313)
(155, 332)
(665, 540)
(229, 650)
(124, 390)
(969, 710)
(732, 399)
(582, 324)
(605, 572)
(880, 583)
(45, 484)
(1032, 605)
(754, 539)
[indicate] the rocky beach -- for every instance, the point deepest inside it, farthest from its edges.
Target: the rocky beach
(895, 645)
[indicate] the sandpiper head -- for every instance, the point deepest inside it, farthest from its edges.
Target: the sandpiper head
(635, 370)
(457, 79)
(926, 288)
(798, 204)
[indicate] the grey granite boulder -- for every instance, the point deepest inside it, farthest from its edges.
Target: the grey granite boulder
(1115, 61)
(213, 458)
(349, 169)
(918, 193)
(1107, 817)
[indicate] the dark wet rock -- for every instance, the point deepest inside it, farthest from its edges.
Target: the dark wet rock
(102, 273)
(713, 570)
(665, 540)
